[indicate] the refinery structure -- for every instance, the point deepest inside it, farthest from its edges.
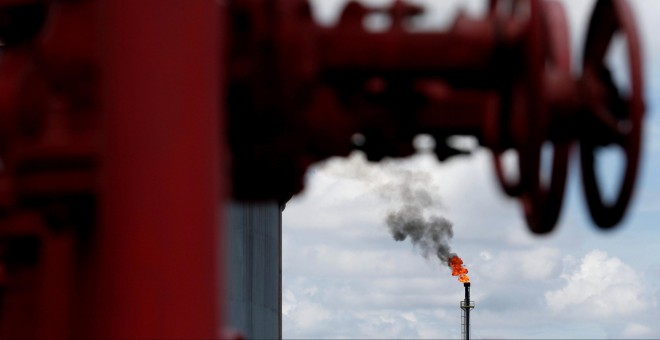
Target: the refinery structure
(128, 128)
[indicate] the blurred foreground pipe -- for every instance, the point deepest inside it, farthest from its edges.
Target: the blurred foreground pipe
(157, 267)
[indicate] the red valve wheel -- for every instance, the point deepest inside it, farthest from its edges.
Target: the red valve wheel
(506, 12)
(507, 7)
(530, 116)
(543, 204)
(614, 119)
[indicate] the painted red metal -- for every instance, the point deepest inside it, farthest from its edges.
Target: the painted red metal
(504, 78)
(156, 245)
(112, 176)
(112, 134)
(49, 158)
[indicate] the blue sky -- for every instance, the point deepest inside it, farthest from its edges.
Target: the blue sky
(345, 277)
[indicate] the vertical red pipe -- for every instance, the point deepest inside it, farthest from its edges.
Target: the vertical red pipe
(161, 181)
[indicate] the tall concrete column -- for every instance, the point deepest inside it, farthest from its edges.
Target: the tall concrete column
(254, 269)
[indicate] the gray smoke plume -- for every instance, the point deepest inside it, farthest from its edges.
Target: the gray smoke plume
(429, 232)
(414, 204)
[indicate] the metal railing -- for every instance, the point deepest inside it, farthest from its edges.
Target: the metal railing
(468, 304)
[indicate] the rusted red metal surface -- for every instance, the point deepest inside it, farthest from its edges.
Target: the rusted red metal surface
(115, 117)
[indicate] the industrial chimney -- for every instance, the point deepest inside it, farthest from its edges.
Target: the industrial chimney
(466, 305)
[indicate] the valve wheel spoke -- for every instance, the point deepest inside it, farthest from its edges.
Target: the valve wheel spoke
(541, 201)
(622, 118)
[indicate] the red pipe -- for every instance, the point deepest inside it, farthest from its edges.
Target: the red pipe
(156, 267)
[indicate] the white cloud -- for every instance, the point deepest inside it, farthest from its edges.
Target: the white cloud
(636, 331)
(308, 318)
(369, 286)
(531, 264)
(539, 264)
(289, 302)
(362, 308)
(601, 287)
(388, 325)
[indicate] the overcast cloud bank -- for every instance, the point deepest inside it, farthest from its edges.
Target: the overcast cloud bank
(352, 280)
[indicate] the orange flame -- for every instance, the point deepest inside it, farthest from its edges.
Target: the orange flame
(457, 269)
